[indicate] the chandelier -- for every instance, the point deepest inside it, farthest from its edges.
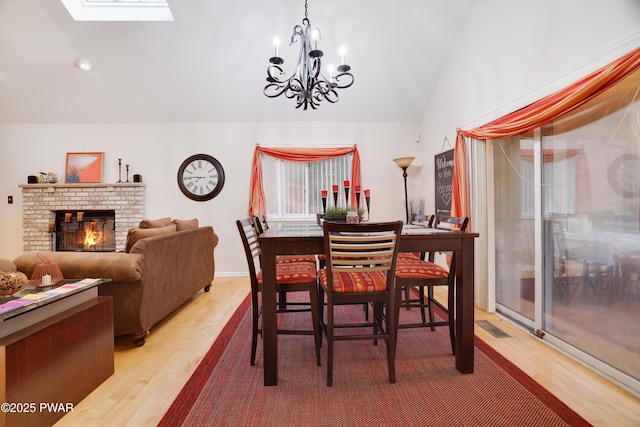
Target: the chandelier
(308, 85)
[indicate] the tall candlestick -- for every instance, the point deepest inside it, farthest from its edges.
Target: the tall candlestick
(335, 195)
(324, 201)
(346, 193)
(367, 196)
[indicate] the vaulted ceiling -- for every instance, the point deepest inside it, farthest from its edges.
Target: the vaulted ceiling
(209, 64)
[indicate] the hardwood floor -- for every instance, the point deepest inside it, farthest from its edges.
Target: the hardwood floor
(147, 379)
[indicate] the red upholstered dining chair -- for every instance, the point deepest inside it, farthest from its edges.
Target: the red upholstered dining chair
(262, 225)
(416, 274)
(360, 269)
(290, 277)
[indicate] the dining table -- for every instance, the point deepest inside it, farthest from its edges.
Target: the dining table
(297, 238)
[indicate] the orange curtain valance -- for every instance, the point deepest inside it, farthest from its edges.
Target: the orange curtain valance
(562, 102)
(536, 115)
(257, 205)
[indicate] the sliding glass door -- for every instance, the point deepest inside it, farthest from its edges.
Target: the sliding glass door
(514, 219)
(578, 178)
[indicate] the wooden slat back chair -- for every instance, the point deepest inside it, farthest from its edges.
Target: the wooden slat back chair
(360, 269)
(261, 225)
(418, 274)
(290, 277)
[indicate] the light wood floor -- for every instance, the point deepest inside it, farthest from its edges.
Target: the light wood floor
(147, 379)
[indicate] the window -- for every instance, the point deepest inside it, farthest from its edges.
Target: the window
(293, 189)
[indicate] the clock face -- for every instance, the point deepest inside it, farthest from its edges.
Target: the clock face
(624, 175)
(200, 177)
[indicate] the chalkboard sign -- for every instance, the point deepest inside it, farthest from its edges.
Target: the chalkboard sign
(443, 179)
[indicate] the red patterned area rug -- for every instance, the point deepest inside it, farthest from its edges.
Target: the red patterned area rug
(226, 391)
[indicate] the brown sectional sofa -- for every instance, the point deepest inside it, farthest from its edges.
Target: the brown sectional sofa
(158, 274)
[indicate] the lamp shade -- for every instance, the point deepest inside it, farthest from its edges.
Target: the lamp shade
(404, 162)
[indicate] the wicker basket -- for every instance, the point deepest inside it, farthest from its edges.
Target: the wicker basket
(46, 267)
(10, 283)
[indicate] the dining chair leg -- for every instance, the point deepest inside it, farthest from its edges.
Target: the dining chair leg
(321, 306)
(329, 344)
(377, 319)
(313, 300)
(422, 304)
(407, 294)
(430, 303)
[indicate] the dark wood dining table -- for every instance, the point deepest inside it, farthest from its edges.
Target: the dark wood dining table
(306, 238)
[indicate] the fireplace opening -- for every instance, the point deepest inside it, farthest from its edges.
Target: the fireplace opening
(89, 230)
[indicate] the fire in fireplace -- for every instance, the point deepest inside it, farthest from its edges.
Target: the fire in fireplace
(92, 231)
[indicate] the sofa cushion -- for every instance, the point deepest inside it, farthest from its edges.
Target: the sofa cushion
(7, 266)
(155, 223)
(186, 224)
(136, 234)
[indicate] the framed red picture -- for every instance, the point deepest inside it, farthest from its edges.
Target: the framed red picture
(84, 167)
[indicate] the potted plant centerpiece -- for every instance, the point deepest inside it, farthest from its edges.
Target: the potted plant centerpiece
(340, 214)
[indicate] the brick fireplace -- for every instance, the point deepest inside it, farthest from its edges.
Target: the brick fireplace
(41, 201)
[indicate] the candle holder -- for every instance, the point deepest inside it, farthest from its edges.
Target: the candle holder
(324, 201)
(127, 167)
(119, 170)
(346, 193)
(358, 197)
(335, 196)
(367, 197)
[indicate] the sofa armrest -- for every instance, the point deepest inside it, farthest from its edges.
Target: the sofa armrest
(117, 266)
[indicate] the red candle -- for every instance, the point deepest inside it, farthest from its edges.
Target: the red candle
(52, 227)
(367, 193)
(324, 193)
(346, 183)
(357, 188)
(335, 187)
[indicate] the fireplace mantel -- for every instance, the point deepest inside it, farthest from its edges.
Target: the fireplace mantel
(40, 201)
(53, 187)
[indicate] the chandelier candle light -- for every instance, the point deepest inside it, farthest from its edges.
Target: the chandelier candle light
(308, 85)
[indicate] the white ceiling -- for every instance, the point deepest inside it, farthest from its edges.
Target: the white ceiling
(209, 64)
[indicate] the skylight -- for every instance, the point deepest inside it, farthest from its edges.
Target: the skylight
(119, 10)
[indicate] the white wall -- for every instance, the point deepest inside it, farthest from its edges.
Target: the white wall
(156, 150)
(511, 53)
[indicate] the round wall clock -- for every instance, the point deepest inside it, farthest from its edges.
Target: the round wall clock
(200, 177)
(624, 175)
